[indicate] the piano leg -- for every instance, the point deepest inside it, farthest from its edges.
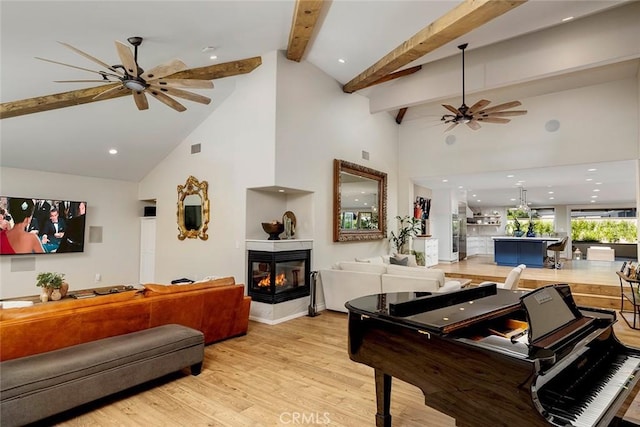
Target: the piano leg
(383, 399)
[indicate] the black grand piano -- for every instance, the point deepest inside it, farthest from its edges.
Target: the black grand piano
(496, 357)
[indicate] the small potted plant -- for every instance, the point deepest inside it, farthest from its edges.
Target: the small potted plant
(53, 286)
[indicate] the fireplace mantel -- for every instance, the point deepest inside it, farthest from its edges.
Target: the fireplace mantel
(279, 245)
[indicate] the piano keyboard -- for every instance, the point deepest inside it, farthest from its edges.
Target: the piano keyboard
(582, 401)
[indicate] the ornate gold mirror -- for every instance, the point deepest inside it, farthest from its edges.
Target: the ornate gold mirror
(193, 209)
(359, 202)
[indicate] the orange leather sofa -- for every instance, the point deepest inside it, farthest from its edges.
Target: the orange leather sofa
(218, 308)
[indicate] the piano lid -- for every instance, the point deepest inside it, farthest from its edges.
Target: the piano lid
(553, 315)
(439, 312)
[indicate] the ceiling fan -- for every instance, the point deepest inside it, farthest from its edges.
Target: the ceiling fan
(129, 76)
(471, 116)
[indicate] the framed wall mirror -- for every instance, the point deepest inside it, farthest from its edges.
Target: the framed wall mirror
(193, 209)
(359, 202)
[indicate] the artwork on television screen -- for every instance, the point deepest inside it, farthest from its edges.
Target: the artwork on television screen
(31, 226)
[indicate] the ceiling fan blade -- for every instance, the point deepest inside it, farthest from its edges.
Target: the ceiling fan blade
(79, 68)
(165, 69)
(182, 94)
(454, 124)
(504, 106)
(452, 109)
(478, 106)
(492, 120)
(83, 81)
(109, 91)
(474, 125)
(91, 58)
(188, 83)
(167, 100)
(141, 100)
(126, 56)
(506, 113)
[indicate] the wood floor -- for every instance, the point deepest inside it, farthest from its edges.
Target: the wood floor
(572, 271)
(593, 283)
(293, 373)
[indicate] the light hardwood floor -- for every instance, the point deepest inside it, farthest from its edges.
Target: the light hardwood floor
(299, 368)
(572, 271)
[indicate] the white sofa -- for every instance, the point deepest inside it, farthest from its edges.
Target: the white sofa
(347, 280)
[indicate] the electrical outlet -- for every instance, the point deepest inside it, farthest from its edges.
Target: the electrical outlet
(98, 277)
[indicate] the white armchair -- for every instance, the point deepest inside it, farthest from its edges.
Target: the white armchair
(512, 280)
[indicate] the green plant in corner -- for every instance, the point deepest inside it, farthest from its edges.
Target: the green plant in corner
(50, 280)
(408, 227)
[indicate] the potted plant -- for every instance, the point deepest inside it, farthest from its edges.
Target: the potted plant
(408, 227)
(517, 227)
(53, 285)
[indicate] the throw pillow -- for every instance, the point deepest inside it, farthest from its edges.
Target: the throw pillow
(399, 260)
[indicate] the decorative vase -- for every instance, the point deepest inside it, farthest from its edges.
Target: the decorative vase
(64, 289)
(44, 296)
(56, 295)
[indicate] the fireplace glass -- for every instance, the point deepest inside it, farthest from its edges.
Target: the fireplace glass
(279, 276)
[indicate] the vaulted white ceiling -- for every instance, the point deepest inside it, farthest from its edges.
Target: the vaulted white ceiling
(75, 140)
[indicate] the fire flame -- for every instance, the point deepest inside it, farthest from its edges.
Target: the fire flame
(266, 282)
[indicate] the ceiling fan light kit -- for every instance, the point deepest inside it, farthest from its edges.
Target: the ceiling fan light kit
(471, 116)
(132, 77)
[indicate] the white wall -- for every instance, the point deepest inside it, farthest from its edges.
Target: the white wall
(111, 205)
(317, 123)
(249, 144)
(237, 152)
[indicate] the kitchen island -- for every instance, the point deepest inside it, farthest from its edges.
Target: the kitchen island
(513, 251)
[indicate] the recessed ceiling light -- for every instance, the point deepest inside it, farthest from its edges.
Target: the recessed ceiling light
(593, 201)
(113, 151)
(478, 200)
(473, 195)
(550, 192)
(513, 200)
(280, 191)
(460, 187)
(356, 200)
(596, 190)
(568, 18)
(598, 183)
(342, 61)
(510, 176)
(589, 179)
(594, 197)
(445, 180)
(592, 170)
(551, 198)
(213, 57)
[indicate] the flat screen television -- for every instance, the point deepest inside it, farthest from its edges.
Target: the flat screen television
(30, 226)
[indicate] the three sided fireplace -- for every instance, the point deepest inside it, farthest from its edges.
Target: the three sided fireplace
(276, 277)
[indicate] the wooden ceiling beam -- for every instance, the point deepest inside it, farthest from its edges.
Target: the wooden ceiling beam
(219, 71)
(464, 18)
(58, 100)
(397, 74)
(401, 114)
(305, 18)
(84, 96)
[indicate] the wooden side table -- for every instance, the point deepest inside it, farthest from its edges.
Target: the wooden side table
(631, 295)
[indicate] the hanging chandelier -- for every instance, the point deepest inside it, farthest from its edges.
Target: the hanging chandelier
(522, 204)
